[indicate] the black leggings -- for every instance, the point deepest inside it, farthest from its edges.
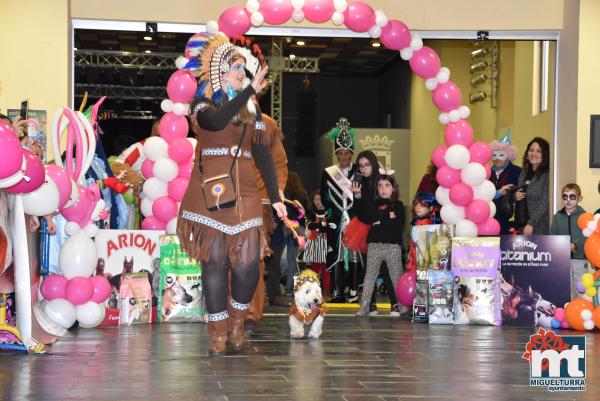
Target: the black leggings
(244, 274)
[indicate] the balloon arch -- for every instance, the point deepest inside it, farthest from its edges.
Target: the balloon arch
(465, 192)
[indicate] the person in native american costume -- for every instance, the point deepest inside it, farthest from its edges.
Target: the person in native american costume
(336, 195)
(220, 219)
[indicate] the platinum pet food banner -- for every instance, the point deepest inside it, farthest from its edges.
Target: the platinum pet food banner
(536, 278)
(476, 268)
(127, 251)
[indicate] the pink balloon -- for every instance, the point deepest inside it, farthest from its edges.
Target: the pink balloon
(447, 96)
(395, 35)
(148, 168)
(180, 150)
(82, 210)
(489, 227)
(11, 152)
(101, 289)
(276, 12)
(447, 177)
(461, 194)
(318, 11)
(152, 223)
(359, 16)
(559, 314)
(234, 21)
(34, 170)
(54, 286)
(481, 152)
(564, 324)
(164, 208)
(185, 169)
(79, 290)
(478, 211)
(63, 183)
(177, 188)
(181, 86)
(405, 288)
(458, 133)
(437, 156)
(425, 63)
(172, 127)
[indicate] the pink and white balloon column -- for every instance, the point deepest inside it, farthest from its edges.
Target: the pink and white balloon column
(170, 157)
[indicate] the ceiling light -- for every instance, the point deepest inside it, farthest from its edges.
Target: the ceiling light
(478, 97)
(479, 79)
(300, 43)
(148, 51)
(376, 44)
(292, 56)
(479, 53)
(147, 37)
(482, 65)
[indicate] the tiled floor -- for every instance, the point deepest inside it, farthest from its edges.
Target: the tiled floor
(379, 358)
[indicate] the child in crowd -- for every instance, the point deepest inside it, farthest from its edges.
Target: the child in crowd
(386, 216)
(315, 249)
(565, 223)
(424, 208)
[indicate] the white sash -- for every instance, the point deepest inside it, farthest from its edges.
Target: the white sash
(340, 180)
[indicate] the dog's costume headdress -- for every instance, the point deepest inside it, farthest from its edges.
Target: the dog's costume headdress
(306, 275)
(342, 135)
(504, 149)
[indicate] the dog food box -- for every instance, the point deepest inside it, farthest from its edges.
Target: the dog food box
(122, 252)
(433, 245)
(476, 268)
(440, 297)
(180, 286)
(135, 299)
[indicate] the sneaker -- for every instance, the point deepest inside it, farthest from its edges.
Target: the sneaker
(353, 296)
(372, 310)
(395, 310)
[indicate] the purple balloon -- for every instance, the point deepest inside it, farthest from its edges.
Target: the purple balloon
(54, 286)
(580, 288)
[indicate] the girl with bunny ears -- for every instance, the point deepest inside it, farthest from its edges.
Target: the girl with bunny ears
(386, 216)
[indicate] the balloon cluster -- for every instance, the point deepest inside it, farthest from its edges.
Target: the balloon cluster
(589, 286)
(560, 319)
(170, 157)
(588, 223)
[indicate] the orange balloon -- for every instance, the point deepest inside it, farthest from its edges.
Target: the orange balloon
(592, 249)
(573, 312)
(584, 219)
(596, 316)
(596, 274)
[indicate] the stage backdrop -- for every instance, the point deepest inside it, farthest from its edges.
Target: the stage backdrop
(536, 278)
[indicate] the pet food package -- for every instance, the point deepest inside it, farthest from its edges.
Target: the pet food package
(180, 287)
(433, 246)
(476, 268)
(440, 297)
(135, 299)
(127, 251)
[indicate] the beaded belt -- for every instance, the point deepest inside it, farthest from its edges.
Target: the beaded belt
(226, 152)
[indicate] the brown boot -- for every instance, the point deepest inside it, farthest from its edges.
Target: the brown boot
(236, 328)
(218, 337)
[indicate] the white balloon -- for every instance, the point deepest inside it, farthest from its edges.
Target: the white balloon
(466, 228)
(464, 112)
(486, 191)
(146, 207)
(166, 105)
(91, 230)
(78, 256)
(443, 75)
(154, 188)
(442, 195)
(172, 226)
(586, 314)
(297, 4)
(374, 31)
(473, 174)
(61, 312)
(43, 201)
(492, 208)
(257, 18)
(180, 62)
(340, 5)
(166, 169)
(252, 6)
(180, 109)
(156, 148)
(337, 18)
(298, 16)
(406, 53)
(457, 156)
(193, 141)
(588, 325)
(444, 118)
(72, 228)
(431, 84)
(452, 214)
(90, 314)
(381, 19)
(587, 232)
(212, 27)
(454, 116)
(416, 42)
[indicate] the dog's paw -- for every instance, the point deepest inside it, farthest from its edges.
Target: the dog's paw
(296, 336)
(314, 336)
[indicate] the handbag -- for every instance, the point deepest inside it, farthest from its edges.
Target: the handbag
(219, 188)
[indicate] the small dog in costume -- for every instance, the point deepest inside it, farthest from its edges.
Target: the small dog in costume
(306, 310)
